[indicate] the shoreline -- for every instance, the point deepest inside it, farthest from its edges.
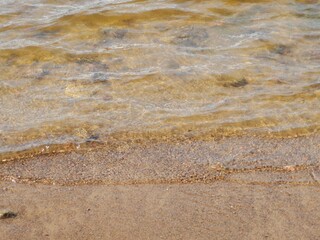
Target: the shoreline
(238, 187)
(175, 162)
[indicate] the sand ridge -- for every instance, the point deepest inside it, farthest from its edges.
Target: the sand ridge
(244, 159)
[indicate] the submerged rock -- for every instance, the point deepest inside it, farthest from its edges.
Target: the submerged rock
(86, 60)
(46, 34)
(232, 81)
(93, 138)
(115, 33)
(238, 83)
(98, 76)
(281, 49)
(5, 213)
(191, 36)
(42, 74)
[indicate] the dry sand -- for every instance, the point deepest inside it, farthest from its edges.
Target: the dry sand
(234, 188)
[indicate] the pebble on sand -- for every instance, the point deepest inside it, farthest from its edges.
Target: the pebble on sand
(5, 213)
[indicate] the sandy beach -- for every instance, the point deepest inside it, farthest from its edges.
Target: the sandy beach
(238, 187)
(130, 119)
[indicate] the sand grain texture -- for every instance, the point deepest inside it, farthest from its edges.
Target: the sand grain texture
(234, 188)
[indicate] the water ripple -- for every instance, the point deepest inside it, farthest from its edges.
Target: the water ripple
(73, 69)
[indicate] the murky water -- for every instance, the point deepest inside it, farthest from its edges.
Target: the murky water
(74, 71)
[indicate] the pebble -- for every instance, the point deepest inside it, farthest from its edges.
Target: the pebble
(5, 213)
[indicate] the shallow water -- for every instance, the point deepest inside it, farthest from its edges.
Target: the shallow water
(81, 71)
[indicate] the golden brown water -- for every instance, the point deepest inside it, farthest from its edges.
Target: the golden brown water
(77, 71)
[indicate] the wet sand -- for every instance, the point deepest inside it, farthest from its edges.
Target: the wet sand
(233, 188)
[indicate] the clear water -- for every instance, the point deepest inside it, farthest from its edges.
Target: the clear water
(74, 71)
